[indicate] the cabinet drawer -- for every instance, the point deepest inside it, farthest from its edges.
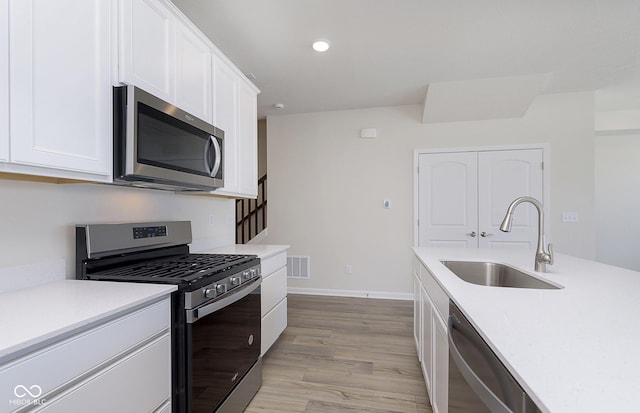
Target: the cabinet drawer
(273, 324)
(273, 290)
(62, 362)
(141, 382)
(439, 298)
(273, 264)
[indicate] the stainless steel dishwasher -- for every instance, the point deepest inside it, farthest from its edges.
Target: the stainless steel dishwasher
(478, 381)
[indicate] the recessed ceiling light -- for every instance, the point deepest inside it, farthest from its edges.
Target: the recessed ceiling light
(278, 105)
(321, 45)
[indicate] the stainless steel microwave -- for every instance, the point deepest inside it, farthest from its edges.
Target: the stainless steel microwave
(157, 145)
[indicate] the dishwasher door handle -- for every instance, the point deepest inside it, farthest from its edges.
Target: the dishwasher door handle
(481, 390)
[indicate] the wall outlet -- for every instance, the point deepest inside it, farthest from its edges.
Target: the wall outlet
(348, 269)
(570, 217)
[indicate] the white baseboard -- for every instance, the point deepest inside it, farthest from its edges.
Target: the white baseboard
(351, 293)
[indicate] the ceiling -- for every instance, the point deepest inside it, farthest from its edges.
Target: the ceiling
(386, 53)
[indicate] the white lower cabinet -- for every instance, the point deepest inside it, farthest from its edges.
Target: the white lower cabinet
(426, 339)
(440, 374)
(417, 314)
(274, 299)
(430, 327)
(121, 365)
(137, 383)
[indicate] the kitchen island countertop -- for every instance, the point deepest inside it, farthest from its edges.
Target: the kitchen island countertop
(575, 349)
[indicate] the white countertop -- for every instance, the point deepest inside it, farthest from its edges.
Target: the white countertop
(576, 349)
(31, 316)
(263, 251)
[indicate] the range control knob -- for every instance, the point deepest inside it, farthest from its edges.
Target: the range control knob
(221, 288)
(253, 273)
(246, 275)
(235, 280)
(209, 292)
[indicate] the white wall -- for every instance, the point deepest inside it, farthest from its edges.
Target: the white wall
(617, 199)
(326, 185)
(37, 219)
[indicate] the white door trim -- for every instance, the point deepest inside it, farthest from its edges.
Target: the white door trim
(546, 173)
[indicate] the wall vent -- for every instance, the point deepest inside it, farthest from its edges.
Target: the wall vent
(298, 267)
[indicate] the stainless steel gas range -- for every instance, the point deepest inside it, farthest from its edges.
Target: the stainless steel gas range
(216, 364)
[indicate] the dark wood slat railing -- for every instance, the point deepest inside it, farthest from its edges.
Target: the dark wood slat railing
(251, 214)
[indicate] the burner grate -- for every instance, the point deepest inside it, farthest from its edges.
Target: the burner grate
(177, 269)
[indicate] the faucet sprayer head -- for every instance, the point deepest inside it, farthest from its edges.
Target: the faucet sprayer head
(506, 223)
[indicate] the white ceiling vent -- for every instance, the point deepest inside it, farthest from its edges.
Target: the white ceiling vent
(298, 267)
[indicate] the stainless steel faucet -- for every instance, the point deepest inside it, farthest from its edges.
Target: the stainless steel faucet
(542, 257)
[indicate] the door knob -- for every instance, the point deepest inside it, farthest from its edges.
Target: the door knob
(472, 234)
(484, 234)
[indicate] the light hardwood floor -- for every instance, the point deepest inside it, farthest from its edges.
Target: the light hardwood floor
(343, 355)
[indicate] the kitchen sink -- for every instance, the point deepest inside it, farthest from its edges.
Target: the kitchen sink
(495, 275)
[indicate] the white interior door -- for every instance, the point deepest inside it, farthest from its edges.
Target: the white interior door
(503, 177)
(463, 197)
(448, 200)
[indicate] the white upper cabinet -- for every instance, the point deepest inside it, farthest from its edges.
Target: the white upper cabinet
(147, 47)
(193, 74)
(248, 140)
(60, 86)
(163, 54)
(235, 112)
(225, 117)
(4, 80)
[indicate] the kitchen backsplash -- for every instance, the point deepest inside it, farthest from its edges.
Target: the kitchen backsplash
(37, 222)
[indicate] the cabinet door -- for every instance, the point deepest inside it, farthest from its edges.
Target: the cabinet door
(502, 177)
(248, 140)
(147, 48)
(225, 108)
(417, 315)
(4, 80)
(448, 200)
(427, 339)
(60, 84)
(440, 376)
(193, 74)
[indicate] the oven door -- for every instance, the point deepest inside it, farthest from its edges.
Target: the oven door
(223, 344)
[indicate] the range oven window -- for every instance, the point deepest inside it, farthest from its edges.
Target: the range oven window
(221, 348)
(167, 142)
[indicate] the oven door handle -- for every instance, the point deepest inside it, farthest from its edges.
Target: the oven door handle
(237, 294)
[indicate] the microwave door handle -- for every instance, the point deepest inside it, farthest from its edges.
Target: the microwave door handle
(217, 163)
(483, 392)
(207, 149)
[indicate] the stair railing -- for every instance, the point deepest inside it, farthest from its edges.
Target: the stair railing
(251, 214)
